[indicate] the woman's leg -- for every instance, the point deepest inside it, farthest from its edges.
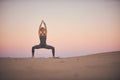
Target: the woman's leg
(51, 47)
(35, 47)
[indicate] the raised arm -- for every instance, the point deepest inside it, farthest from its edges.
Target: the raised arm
(45, 27)
(40, 24)
(40, 27)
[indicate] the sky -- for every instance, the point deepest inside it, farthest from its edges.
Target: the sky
(75, 27)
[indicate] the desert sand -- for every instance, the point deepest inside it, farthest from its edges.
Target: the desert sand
(102, 66)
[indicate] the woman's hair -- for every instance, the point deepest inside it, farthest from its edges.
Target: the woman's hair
(42, 28)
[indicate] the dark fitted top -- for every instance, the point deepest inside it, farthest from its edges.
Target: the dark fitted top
(42, 40)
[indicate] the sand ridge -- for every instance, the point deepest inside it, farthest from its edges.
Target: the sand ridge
(103, 66)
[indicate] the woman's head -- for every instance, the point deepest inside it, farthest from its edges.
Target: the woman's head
(42, 29)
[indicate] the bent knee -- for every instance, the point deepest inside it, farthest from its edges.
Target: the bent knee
(33, 47)
(53, 47)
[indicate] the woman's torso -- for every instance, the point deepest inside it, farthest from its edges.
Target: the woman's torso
(42, 40)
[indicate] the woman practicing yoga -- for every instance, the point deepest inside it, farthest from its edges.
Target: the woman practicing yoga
(42, 32)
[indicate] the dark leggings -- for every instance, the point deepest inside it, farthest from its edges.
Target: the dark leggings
(43, 46)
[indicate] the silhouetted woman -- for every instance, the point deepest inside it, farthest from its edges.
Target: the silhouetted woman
(42, 32)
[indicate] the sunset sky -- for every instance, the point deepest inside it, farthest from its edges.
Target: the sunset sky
(75, 27)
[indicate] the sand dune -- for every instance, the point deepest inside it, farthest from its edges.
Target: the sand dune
(103, 66)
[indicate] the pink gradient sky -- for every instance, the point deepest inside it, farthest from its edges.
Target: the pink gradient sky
(75, 28)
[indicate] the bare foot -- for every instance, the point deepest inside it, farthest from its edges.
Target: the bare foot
(56, 57)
